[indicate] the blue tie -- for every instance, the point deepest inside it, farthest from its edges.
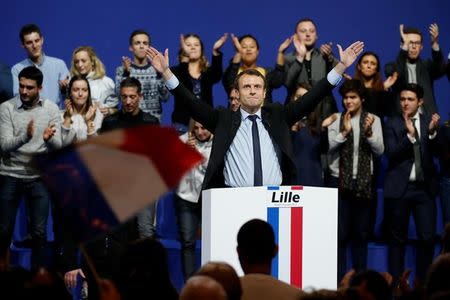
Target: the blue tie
(257, 179)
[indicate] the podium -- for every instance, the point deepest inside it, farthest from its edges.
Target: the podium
(304, 220)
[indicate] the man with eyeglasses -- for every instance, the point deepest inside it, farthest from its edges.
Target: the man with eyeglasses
(413, 69)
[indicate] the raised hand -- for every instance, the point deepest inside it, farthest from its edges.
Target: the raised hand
(219, 43)
(191, 140)
(69, 108)
(90, 114)
(285, 44)
(236, 43)
(326, 50)
(300, 48)
(349, 55)
(347, 124)
(159, 62)
(64, 83)
(434, 33)
(403, 35)
(126, 63)
(434, 123)
(390, 81)
(368, 125)
(49, 132)
(71, 277)
(30, 128)
(328, 121)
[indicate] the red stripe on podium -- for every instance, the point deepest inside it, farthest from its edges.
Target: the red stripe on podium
(296, 246)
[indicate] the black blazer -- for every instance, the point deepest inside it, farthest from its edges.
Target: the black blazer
(224, 123)
(400, 153)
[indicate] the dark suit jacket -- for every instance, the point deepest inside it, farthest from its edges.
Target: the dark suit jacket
(427, 71)
(400, 153)
(224, 123)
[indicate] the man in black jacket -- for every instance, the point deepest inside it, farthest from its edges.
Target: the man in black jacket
(252, 146)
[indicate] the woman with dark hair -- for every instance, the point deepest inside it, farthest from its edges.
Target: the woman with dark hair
(81, 118)
(378, 99)
(196, 74)
(246, 56)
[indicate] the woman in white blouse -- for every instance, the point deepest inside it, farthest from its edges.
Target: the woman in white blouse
(81, 118)
(86, 63)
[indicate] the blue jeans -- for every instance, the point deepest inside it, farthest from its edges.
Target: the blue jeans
(37, 200)
(146, 221)
(445, 199)
(189, 218)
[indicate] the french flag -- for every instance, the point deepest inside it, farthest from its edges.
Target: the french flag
(288, 264)
(105, 180)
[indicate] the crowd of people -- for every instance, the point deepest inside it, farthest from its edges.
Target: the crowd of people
(255, 141)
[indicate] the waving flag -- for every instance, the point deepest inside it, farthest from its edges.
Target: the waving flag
(104, 181)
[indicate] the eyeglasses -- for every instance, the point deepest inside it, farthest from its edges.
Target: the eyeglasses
(414, 43)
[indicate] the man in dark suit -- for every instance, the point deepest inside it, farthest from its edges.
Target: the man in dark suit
(412, 68)
(252, 146)
(410, 182)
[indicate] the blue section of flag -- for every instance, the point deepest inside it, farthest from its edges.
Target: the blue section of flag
(273, 220)
(273, 188)
(84, 211)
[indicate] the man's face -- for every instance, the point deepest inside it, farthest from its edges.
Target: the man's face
(28, 90)
(251, 92)
(138, 46)
(306, 31)
(32, 43)
(201, 133)
(409, 103)
(415, 45)
(352, 102)
(130, 99)
(250, 51)
(234, 100)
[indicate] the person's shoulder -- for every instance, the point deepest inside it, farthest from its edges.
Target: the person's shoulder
(149, 118)
(20, 65)
(55, 60)
(8, 103)
(49, 104)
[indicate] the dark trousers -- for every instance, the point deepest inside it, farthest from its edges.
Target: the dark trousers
(353, 229)
(189, 218)
(423, 207)
(37, 201)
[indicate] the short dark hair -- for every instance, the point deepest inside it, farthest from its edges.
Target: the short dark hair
(304, 20)
(249, 36)
(409, 30)
(131, 82)
(415, 88)
(375, 284)
(27, 29)
(256, 241)
(32, 73)
(353, 85)
(252, 72)
(136, 32)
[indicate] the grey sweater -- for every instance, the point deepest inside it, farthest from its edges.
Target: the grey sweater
(16, 147)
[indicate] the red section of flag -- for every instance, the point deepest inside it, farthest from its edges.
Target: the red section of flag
(163, 147)
(297, 188)
(296, 246)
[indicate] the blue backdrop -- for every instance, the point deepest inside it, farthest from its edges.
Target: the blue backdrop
(106, 26)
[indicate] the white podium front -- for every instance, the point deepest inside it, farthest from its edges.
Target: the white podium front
(304, 220)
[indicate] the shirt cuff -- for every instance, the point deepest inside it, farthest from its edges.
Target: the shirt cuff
(172, 83)
(432, 136)
(334, 77)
